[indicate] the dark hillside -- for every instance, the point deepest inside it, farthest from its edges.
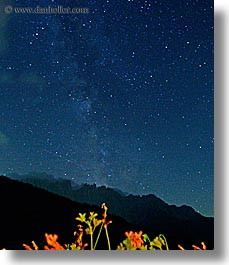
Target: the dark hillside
(181, 225)
(27, 213)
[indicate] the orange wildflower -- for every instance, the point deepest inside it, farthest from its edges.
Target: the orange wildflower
(204, 246)
(27, 247)
(136, 240)
(180, 247)
(105, 215)
(105, 212)
(195, 247)
(104, 207)
(198, 248)
(52, 241)
(35, 245)
(106, 224)
(79, 239)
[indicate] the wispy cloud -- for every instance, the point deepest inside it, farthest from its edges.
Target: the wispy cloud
(4, 140)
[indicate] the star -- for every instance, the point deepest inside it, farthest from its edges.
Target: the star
(121, 96)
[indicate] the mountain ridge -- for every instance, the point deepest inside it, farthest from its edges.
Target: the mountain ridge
(28, 212)
(147, 211)
(46, 181)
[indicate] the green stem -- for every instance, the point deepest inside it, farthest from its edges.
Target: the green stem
(91, 234)
(101, 227)
(164, 238)
(108, 240)
(91, 241)
(147, 238)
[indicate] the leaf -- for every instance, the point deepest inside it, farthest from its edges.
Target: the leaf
(143, 247)
(156, 242)
(96, 222)
(152, 248)
(121, 247)
(161, 238)
(89, 231)
(146, 238)
(127, 243)
(73, 247)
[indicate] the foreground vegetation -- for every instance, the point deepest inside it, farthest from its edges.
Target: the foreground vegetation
(93, 227)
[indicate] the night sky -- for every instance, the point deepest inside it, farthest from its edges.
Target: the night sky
(122, 96)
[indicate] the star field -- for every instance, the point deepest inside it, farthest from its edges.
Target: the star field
(122, 96)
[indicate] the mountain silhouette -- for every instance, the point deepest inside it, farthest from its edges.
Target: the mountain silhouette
(28, 212)
(181, 225)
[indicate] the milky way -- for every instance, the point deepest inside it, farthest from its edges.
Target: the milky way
(121, 96)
